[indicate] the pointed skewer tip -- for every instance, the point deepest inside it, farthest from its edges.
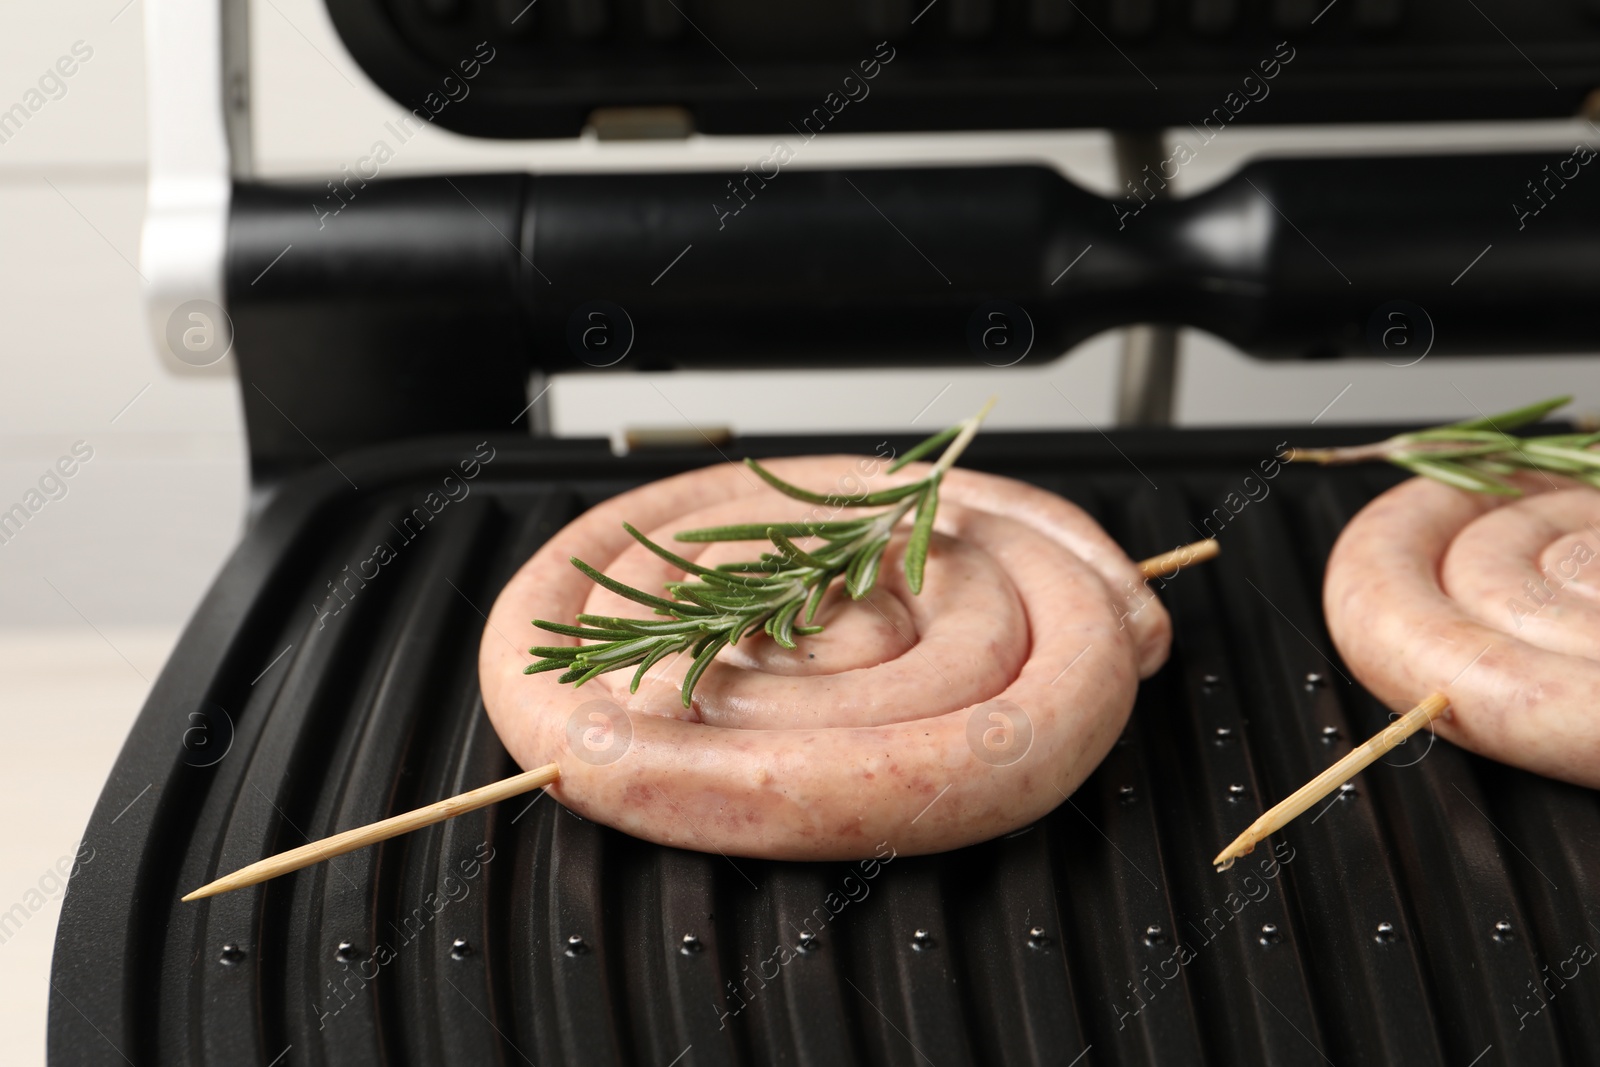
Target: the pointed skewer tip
(371, 834)
(1241, 846)
(1356, 761)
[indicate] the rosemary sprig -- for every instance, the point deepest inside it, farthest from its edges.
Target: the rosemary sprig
(777, 594)
(1477, 454)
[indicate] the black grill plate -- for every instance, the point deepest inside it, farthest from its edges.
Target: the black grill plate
(1486, 877)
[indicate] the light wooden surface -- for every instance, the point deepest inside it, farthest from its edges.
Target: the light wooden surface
(66, 704)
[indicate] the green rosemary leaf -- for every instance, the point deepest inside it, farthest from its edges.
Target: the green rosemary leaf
(661, 651)
(730, 582)
(687, 566)
(862, 500)
(702, 660)
(897, 494)
(921, 536)
(793, 553)
(560, 651)
(1572, 440)
(814, 601)
(753, 622)
(1460, 477)
(1453, 434)
(547, 665)
(1578, 458)
(1464, 452)
(916, 452)
(622, 650)
(739, 532)
(1512, 420)
(629, 628)
(595, 672)
(716, 600)
(753, 567)
(781, 627)
(691, 597)
(757, 531)
(638, 596)
(863, 572)
(784, 633)
(586, 632)
(838, 531)
(787, 489)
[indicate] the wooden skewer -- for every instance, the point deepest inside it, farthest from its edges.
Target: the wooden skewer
(1163, 565)
(361, 836)
(1357, 761)
(1169, 563)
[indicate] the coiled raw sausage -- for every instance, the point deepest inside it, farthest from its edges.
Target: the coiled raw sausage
(1494, 603)
(928, 721)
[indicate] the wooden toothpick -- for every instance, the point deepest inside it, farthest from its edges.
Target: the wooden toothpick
(1358, 760)
(361, 836)
(1169, 563)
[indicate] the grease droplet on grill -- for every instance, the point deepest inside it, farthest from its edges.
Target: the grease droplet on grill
(1224, 735)
(1037, 938)
(346, 952)
(808, 941)
(1154, 935)
(1502, 931)
(1236, 791)
(232, 954)
(1385, 934)
(691, 945)
(460, 948)
(576, 946)
(921, 940)
(1270, 934)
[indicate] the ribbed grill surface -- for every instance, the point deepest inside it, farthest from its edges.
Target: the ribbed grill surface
(1429, 916)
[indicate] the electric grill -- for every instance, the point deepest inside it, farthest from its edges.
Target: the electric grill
(1429, 913)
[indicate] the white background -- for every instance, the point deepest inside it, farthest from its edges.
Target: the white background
(94, 587)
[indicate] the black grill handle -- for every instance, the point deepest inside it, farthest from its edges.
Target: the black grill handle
(1287, 258)
(439, 294)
